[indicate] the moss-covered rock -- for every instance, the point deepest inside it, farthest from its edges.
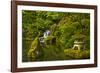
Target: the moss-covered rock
(31, 53)
(50, 40)
(77, 54)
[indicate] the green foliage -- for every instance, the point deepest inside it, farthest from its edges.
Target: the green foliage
(64, 28)
(51, 52)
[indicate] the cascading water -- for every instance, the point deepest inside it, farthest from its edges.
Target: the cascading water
(45, 35)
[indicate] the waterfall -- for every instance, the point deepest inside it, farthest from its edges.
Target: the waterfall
(45, 35)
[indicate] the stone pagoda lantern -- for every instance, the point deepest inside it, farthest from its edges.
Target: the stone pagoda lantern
(78, 45)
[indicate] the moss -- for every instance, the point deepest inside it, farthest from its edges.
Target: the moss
(35, 43)
(77, 54)
(31, 53)
(50, 40)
